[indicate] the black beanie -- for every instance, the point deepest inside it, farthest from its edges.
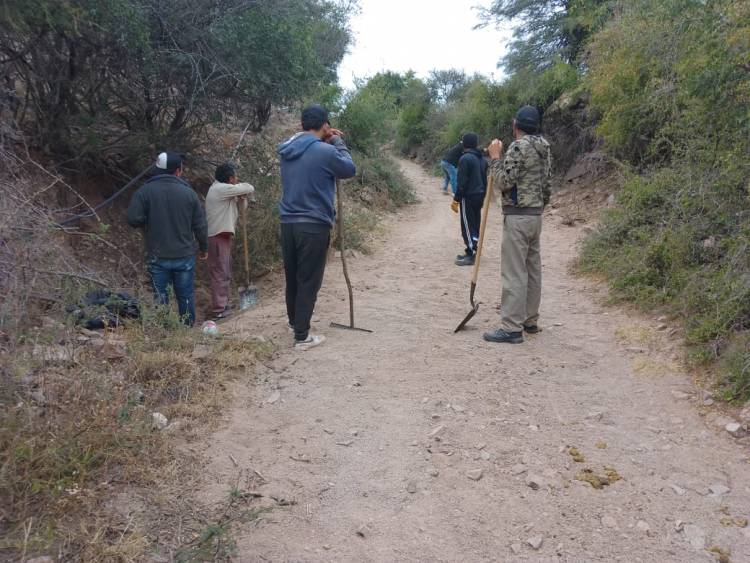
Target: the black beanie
(528, 120)
(470, 140)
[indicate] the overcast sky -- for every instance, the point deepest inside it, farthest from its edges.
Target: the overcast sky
(421, 35)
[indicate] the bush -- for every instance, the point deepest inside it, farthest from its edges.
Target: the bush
(675, 102)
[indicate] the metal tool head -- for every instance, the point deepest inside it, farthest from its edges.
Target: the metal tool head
(347, 327)
(468, 317)
(248, 297)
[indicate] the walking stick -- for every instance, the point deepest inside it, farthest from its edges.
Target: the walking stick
(340, 234)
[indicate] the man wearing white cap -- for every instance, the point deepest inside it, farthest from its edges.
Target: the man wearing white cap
(174, 224)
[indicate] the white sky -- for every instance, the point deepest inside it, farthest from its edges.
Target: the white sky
(421, 35)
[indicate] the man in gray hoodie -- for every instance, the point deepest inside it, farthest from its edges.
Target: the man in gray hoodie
(311, 162)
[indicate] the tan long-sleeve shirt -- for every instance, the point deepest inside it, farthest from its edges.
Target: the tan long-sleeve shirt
(221, 206)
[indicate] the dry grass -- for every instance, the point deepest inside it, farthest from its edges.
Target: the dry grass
(76, 438)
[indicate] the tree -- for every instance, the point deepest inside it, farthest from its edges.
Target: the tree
(546, 30)
(446, 85)
(122, 77)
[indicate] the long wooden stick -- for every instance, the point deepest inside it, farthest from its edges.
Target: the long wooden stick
(342, 246)
(482, 229)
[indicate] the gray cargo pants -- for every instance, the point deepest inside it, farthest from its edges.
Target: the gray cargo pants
(521, 268)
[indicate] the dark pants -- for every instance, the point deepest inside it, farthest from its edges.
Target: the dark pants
(179, 274)
(305, 249)
(471, 217)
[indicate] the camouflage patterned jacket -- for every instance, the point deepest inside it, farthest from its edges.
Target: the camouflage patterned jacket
(524, 176)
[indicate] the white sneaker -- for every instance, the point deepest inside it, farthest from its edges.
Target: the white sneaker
(311, 342)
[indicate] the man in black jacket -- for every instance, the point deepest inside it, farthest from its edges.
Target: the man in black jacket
(170, 213)
(472, 186)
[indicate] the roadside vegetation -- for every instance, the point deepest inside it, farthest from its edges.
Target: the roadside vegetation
(96, 427)
(664, 87)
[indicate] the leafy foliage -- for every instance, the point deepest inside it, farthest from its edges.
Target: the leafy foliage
(672, 82)
(122, 76)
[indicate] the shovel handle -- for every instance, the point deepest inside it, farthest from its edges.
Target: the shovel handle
(342, 247)
(482, 229)
(243, 218)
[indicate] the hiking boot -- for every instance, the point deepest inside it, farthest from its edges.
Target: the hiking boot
(532, 329)
(466, 260)
(310, 342)
(503, 336)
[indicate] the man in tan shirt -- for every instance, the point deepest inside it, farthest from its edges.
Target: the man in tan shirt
(222, 213)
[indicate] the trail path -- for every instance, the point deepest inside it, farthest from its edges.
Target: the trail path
(392, 422)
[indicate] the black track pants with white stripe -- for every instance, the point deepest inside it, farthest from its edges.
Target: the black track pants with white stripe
(471, 217)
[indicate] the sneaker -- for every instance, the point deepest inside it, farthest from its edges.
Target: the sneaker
(504, 337)
(532, 329)
(310, 342)
(290, 326)
(465, 260)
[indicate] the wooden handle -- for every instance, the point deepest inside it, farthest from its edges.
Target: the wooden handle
(482, 228)
(243, 218)
(342, 247)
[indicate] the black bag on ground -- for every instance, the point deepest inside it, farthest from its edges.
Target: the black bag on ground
(104, 308)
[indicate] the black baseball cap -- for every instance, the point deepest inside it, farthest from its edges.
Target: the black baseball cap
(528, 119)
(314, 117)
(169, 161)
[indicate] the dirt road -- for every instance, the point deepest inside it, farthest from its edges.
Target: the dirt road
(441, 447)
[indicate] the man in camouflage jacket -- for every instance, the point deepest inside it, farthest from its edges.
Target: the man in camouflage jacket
(524, 178)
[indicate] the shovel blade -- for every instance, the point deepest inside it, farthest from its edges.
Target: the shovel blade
(248, 298)
(347, 327)
(467, 318)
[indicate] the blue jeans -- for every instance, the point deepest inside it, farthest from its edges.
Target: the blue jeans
(451, 175)
(178, 273)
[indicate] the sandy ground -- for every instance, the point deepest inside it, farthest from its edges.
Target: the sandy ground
(378, 433)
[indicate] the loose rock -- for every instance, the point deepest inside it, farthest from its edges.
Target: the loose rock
(411, 487)
(718, 490)
(694, 535)
(535, 542)
(475, 474)
(275, 396)
(433, 471)
(677, 489)
(518, 469)
(159, 420)
(642, 526)
(533, 481)
(735, 429)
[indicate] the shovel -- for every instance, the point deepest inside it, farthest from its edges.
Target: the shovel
(340, 234)
(478, 257)
(249, 293)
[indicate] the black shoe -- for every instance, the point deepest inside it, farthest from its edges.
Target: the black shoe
(532, 329)
(467, 260)
(504, 337)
